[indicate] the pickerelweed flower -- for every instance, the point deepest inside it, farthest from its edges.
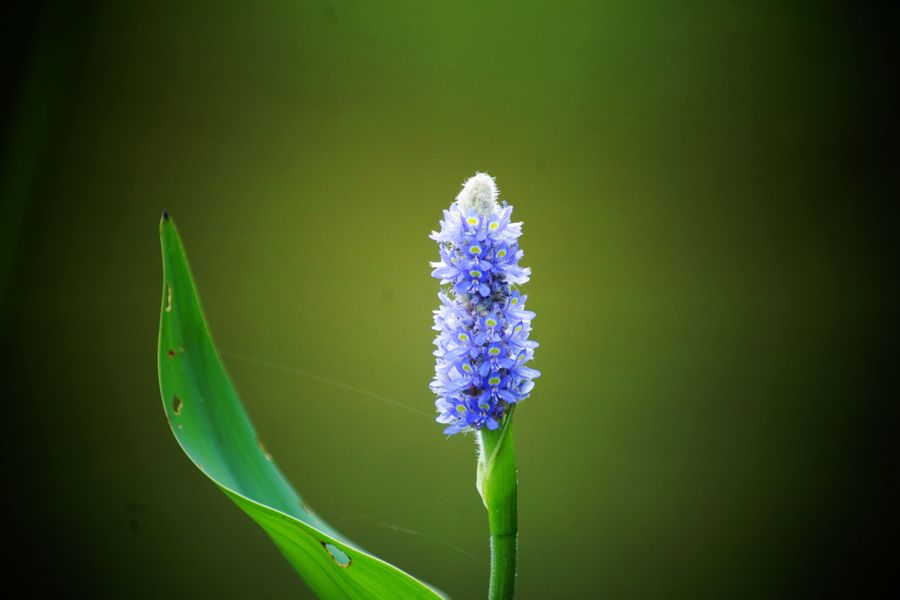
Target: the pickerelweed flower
(482, 345)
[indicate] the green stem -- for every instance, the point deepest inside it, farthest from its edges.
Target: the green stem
(497, 485)
(503, 566)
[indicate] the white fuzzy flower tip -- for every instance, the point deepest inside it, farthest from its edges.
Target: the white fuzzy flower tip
(479, 193)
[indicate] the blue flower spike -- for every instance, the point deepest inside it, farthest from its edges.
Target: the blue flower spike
(482, 349)
(482, 323)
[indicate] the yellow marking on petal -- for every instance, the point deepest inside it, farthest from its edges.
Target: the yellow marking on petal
(493, 226)
(501, 253)
(494, 381)
(472, 221)
(494, 351)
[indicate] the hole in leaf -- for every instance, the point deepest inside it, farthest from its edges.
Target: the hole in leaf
(337, 555)
(168, 298)
(177, 404)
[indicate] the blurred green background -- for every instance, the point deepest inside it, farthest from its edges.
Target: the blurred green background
(709, 214)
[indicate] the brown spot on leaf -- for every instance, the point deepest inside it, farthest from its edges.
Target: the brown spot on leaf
(177, 405)
(263, 448)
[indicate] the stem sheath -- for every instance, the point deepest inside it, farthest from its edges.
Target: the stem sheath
(498, 487)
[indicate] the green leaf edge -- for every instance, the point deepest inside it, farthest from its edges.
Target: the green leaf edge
(282, 528)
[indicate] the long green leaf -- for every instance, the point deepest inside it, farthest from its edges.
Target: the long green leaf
(213, 429)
